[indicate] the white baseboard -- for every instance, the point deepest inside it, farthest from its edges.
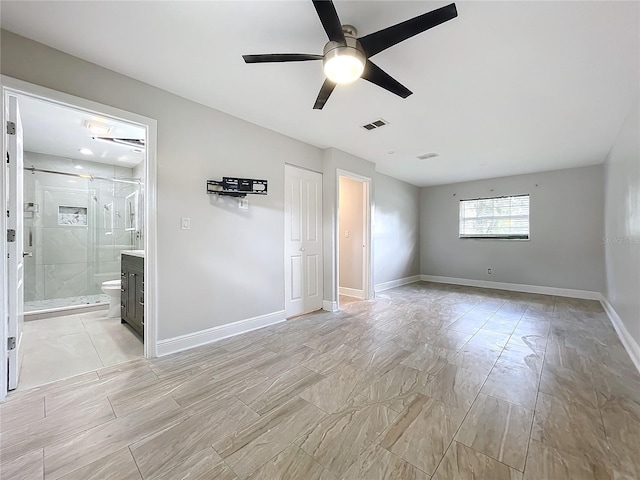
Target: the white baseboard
(184, 342)
(515, 287)
(632, 347)
(329, 306)
(396, 283)
(351, 292)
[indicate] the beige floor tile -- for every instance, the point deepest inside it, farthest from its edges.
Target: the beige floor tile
(203, 465)
(26, 467)
(463, 463)
(337, 441)
(376, 463)
(275, 392)
(569, 427)
(546, 462)
(118, 465)
(16, 414)
(422, 432)
(498, 429)
(477, 358)
(35, 435)
(489, 339)
(381, 360)
(289, 464)
(333, 392)
(429, 359)
(455, 386)
(167, 449)
(397, 388)
(251, 447)
(65, 456)
(328, 362)
(568, 385)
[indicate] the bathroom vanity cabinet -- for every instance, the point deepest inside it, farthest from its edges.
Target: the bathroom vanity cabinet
(132, 292)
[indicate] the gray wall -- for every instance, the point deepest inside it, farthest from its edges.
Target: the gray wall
(566, 226)
(622, 225)
(351, 213)
(396, 232)
(220, 271)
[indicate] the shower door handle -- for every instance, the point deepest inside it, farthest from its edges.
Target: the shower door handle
(27, 254)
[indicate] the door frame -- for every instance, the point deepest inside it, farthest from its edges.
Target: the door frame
(367, 270)
(13, 86)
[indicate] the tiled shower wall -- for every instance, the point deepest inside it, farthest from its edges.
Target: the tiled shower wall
(74, 260)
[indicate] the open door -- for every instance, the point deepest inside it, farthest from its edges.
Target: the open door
(15, 273)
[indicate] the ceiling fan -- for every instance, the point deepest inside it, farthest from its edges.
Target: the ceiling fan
(347, 58)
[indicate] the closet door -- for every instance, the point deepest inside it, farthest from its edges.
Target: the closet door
(303, 241)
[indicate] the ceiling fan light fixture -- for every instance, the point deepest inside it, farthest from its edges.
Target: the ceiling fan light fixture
(343, 63)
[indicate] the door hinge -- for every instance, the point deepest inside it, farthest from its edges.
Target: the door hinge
(11, 235)
(11, 128)
(11, 343)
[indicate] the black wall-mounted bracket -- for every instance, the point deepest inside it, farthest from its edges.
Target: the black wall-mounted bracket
(237, 187)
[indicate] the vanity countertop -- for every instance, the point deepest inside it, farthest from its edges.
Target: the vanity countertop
(135, 253)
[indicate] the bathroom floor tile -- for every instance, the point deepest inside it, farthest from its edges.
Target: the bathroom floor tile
(118, 346)
(49, 359)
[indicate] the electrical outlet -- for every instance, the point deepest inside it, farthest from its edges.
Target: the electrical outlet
(243, 204)
(346, 234)
(488, 271)
(185, 223)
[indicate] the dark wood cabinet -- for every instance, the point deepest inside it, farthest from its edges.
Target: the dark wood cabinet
(132, 292)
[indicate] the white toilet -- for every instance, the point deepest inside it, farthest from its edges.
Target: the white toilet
(112, 288)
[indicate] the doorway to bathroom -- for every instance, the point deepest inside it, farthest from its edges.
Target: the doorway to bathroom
(353, 242)
(85, 186)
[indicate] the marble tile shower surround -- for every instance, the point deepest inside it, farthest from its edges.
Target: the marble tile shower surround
(73, 261)
(427, 381)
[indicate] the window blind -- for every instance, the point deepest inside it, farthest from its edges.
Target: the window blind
(496, 217)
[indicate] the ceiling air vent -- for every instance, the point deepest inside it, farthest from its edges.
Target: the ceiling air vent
(425, 156)
(375, 124)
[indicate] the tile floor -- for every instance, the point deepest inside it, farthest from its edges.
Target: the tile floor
(63, 346)
(425, 382)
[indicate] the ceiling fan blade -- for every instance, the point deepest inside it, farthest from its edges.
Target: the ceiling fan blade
(280, 57)
(374, 74)
(330, 21)
(388, 37)
(323, 96)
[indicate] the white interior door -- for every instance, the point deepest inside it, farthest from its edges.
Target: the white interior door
(15, 274)
(303, 241)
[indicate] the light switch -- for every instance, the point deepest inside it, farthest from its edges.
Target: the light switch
(346, 234)
(186, 223)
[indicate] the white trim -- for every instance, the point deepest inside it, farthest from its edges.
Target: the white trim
(329, 306)
(630, 345)
(380, 287)
(351, 292)
(210, 335)
(515, 287)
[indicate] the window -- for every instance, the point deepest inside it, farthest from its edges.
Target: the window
(498, 217)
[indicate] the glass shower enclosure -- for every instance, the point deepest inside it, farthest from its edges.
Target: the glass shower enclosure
(75, 226)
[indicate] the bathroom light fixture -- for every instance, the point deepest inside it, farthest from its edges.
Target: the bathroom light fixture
(97, 128)
(86, 151)
(344, 63)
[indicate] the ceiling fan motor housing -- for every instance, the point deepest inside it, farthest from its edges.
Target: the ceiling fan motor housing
(351, 54)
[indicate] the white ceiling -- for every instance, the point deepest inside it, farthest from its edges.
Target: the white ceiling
(58, 130)
(505, 88)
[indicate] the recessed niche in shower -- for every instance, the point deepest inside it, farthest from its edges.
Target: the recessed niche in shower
(72, 216)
